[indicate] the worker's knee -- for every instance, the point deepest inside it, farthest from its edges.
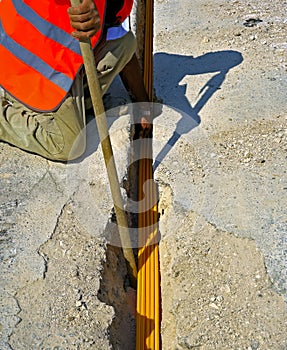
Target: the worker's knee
(76, 146)
(72, 146)
(68, 124)
(56, 135)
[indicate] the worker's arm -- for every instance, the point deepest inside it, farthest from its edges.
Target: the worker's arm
(85, 19)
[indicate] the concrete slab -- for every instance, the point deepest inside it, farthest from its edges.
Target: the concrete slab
(220, 163)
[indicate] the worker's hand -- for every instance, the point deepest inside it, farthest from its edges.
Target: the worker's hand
(85, 19)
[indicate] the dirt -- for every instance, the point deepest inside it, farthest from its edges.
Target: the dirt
(223, 181)
(223, 247)
(220, 164)
(216, 293)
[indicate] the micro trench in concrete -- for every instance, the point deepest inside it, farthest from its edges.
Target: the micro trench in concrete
(216, 293)
(222, 202)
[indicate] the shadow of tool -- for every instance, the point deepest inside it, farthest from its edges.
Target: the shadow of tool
(145, 320)
(170, 69)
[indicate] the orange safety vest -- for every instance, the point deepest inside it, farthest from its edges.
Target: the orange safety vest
(39, 58)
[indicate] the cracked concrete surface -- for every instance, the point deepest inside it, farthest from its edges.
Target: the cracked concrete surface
(52, 255)
(36, 198)
(222, 185)
(64, 302)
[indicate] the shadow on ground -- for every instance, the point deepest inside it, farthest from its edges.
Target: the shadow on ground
(170, 69)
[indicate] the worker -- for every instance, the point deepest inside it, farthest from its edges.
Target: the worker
(40, 112)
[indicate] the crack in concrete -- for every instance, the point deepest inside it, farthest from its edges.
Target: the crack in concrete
(41, 253)
(45, 260)
(54, 180)
(35, 185)
(14, 297)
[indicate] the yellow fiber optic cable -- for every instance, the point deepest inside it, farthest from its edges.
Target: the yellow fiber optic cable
(148, 302)
(148, 280)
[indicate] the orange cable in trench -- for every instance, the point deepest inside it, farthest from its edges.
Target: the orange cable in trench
(148, 281)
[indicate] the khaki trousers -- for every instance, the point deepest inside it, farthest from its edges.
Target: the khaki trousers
(55, 135)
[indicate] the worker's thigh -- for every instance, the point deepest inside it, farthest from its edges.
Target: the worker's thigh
(52, 135)
(112, 57)
(58, 135)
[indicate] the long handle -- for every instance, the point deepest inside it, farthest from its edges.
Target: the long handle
(101, 120)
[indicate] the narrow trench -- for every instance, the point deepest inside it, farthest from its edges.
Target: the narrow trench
(115, 287)
(115, 291)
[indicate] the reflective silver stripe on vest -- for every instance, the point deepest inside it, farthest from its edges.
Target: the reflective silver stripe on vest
(46, 28)
(34, 61)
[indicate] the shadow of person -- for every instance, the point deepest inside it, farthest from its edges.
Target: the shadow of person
(170, 69)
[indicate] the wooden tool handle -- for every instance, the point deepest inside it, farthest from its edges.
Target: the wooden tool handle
(101, 120)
